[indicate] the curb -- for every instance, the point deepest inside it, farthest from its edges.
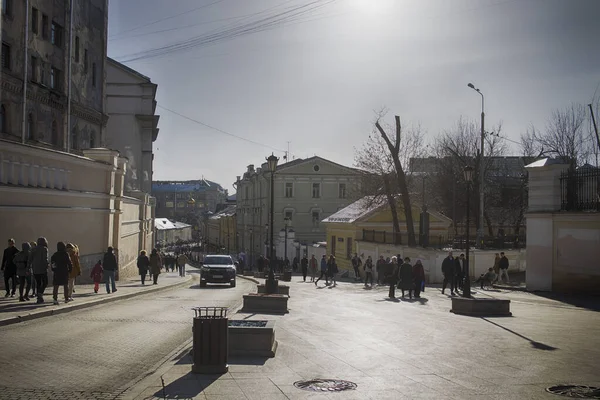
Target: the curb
(513, 288)
(55, 311)
(249, 278)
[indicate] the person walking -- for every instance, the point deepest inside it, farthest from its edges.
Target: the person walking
(96, 275)
(9, 268)
(40, 262)
(143, 264)
(503, 266)
(407, 280)
(448, 271)
(332, 269)
(458, 272)
(61, 266)
(110, 266)
(419, 278)
(295, 263)
(304, 267)
(33, 283)
(323, 271)
(182, 260)
(21, 261)
(356, 264)
(394, 277)
(369, 271)
(76, 267)
(260, 263)
(313, 268)
(155, 265)
(496, 266)
(379, 267)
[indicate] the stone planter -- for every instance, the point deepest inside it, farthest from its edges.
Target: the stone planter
(252, 338)
(287, 276)
(281, 289)
(481, 307)
(260, 303)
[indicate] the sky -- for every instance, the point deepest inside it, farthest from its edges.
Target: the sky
(314, 83)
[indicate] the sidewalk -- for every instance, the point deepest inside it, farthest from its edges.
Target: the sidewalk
(404, 349)
(12, 311)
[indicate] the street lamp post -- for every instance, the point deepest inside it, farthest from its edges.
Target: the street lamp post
(481, 168)
(271, 283)
(468, 172)
(286, 223)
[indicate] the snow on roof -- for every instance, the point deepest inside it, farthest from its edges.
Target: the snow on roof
(166, 224)
(226, 212)
(356, 210)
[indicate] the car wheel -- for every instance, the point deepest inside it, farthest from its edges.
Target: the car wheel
(233, 283)
(202, 283)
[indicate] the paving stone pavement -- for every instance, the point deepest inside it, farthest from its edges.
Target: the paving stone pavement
(402, 350)
(96, 352)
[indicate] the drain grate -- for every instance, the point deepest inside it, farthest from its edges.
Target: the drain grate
(325, 385)
(575, 391)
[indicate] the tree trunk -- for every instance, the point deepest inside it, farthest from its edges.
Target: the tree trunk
(392, 203)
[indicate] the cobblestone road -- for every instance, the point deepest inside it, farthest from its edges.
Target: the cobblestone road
(94, 353)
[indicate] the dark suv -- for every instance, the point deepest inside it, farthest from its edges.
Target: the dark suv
(217, 269)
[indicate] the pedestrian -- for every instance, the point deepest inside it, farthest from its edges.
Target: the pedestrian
(497, 265)
(313, 268)
(487, 278)
(260, 263)
(503, 265)
(304, 267)
(369, 271)
(76, 267)
(96, 275)
(407, 280)
(419, 278)
(61, 266)
(356, 264)
(458, 272)
(323, 271)
(9, 268)
(295, 263)
(143, 264)
(155, 265)
(33, 283)
(182, 260)
(21, 261)
(40, 262)
(448, 271)
(380, 266)
(332, 269)
(394, 277)
(110, 267)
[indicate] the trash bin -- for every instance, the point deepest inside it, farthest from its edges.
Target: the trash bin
(210, 334)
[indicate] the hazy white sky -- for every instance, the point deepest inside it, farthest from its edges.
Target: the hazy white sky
(316, 83)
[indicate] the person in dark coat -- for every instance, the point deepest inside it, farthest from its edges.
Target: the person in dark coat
(61, 266)
(260, 263)
(155, 265)
(406, 278)
(380, 266)
(304, 267)
(419, 277)
(143, 264)
(394, 277)
(21, 260)
(332, 269)
(9, 268)
(448, 271)
(458, 272)
(40, 262)
(109, 264)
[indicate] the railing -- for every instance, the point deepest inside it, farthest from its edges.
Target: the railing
(579, 190)
(384, 237)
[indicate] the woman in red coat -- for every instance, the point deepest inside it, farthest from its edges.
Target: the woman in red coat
(419, 277)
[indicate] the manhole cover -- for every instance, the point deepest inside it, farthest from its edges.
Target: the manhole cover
(325, 385)
(575, 391)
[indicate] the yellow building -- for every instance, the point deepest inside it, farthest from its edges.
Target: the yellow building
(222, 232)
(369, 220)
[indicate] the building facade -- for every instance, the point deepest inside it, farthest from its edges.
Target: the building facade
(52, 78)
(305, 192)
(171, 232)
(132, 126)
(221, 231)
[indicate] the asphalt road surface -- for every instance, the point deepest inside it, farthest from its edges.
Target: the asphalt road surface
(94, 353)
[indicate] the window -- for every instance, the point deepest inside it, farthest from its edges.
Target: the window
(76, 48)
(289, 189)
(44, 26)
(94, 74)
(7, 7)
(30, 127)
(349, 248)
(342, 191)
(34, 68)
(85, 61)
(54, 78)
(316, 190)
(289, 214)
(56, 35)
(316, 218)
(3, 117)
(43, 79)
(75, 139)
(34, 20)
(54, 138)
(333, 243)
(5, 56)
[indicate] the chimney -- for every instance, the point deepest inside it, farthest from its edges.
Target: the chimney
(251, 168)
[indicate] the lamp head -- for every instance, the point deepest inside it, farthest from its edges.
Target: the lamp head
(471, 86)
(468, 173)
(272, 160)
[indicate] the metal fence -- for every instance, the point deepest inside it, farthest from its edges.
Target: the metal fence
(579, 190)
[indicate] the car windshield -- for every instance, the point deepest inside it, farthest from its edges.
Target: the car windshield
(218, 260)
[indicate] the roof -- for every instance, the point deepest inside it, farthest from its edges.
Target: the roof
(233, 197)
(313, 158)
(356, 210)
(184, 186)
(226, 212)
(126, 68)
(544, 162)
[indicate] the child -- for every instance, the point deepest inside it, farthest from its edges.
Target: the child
(487, 278)
(96, 275)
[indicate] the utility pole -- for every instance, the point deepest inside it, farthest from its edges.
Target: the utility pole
(481, 169)
(595, 126)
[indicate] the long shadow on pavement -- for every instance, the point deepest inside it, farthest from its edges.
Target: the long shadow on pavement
(534, 344)
(590, 302)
